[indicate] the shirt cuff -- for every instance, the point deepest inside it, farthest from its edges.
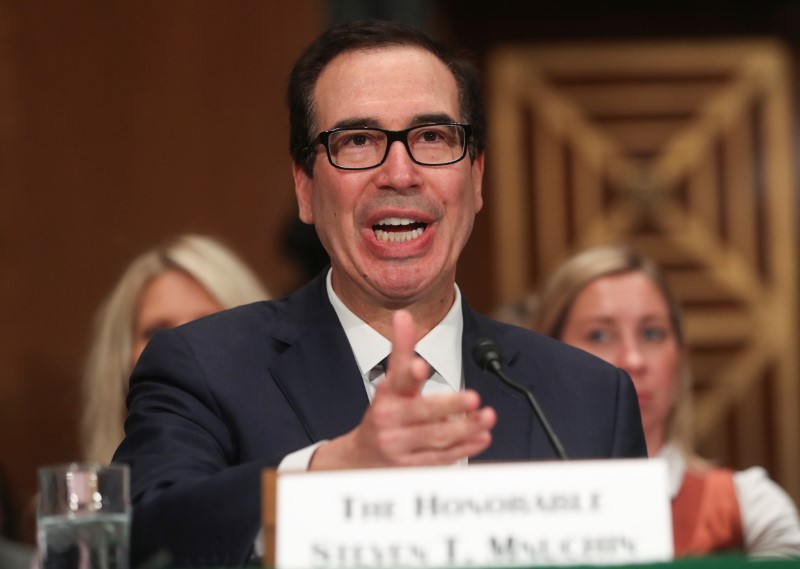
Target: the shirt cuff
(299, 460)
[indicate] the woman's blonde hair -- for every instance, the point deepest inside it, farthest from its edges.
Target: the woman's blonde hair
(105, 382)
(577, 272)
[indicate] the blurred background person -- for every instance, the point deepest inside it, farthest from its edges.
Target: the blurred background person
(179, 281)
(615, 303)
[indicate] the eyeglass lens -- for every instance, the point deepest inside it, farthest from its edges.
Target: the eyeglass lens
(364, 148)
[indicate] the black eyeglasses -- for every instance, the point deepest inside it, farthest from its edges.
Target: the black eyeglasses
(434, 144)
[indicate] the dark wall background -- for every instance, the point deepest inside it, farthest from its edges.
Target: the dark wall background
(124, 123)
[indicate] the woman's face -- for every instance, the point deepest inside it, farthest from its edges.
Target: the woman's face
(170, 299)
(624, 319)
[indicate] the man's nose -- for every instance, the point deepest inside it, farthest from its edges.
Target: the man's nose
(398, 171)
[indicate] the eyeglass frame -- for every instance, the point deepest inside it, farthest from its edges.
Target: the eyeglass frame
(392, 136)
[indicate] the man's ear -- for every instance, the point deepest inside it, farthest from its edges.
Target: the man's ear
(477, 180)
(302, 189)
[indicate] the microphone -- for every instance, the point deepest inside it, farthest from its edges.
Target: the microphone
(487, 356)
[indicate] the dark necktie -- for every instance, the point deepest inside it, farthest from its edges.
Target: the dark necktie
(377, 373)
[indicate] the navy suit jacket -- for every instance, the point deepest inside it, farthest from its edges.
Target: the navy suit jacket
(214, 402)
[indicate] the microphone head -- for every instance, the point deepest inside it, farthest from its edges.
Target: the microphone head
(486, 354)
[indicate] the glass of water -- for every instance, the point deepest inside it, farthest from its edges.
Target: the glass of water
(83, 520)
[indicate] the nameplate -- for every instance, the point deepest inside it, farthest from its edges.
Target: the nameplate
(485, 515)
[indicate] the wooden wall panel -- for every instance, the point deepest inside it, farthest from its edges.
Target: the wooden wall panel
(683, 149)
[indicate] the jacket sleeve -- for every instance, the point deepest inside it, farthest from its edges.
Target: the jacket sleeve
(191, 498)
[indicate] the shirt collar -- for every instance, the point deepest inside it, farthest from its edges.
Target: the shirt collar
(441, 347)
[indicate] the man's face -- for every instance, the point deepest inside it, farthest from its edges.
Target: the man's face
(356, 212)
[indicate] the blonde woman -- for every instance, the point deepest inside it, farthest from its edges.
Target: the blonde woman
(615, 304)
(178, 281)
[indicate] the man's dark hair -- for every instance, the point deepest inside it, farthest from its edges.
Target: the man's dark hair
(366, 35)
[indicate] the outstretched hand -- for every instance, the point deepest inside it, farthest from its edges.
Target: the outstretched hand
(403, 428)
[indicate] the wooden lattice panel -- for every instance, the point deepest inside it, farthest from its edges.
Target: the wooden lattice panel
(683, 150)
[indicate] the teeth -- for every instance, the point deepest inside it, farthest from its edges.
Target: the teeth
(398, 236)
(396, 221)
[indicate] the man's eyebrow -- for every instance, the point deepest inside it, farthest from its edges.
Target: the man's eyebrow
(432, 118)
(357, 123)
(365, 122)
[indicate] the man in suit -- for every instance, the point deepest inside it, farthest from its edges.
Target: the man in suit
(387, 140)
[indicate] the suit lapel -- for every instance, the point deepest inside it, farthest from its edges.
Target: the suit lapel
(316, 370)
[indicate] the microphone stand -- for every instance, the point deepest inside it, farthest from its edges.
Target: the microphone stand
(487, 355)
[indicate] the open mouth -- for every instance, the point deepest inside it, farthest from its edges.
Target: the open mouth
(398, 229)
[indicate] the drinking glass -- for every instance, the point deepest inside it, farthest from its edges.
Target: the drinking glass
(83, 519)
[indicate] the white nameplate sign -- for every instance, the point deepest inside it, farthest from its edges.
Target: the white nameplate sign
(546, 513)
